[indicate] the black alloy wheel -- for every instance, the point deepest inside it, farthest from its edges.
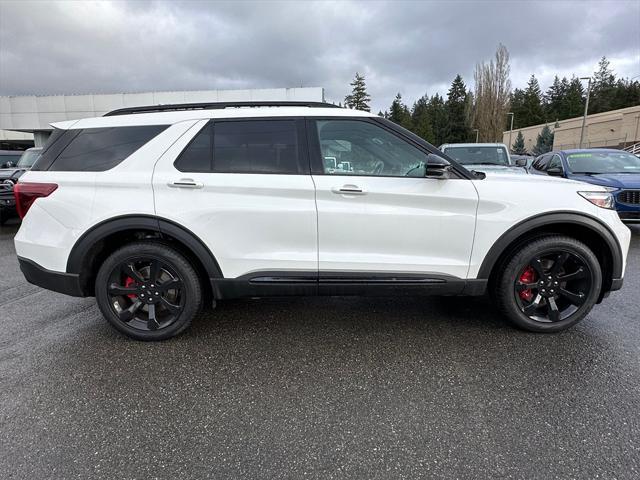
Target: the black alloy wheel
(553, 286)
(148, 291)
(549, 284)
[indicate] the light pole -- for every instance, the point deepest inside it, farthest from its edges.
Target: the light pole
(477, 133)
(586, 109)
(510, 130)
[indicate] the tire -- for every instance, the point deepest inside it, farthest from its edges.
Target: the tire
(148, 291)
(549, 285)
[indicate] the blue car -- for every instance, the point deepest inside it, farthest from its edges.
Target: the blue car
(616, 169)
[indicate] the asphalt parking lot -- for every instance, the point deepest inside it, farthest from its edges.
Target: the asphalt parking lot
(317, 388)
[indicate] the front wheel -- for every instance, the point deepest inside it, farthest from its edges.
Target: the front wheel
(549, 285)
(148, 291)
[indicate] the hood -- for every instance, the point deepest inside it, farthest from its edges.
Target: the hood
(615, 180)
(491, 169)
(12, 173)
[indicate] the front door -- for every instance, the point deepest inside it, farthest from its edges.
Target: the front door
(378, 216)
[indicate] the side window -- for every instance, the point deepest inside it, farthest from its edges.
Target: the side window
(541, 162)
(99, 149)
(352, 147)
(196, 157)
(256, 146)
(555, 162)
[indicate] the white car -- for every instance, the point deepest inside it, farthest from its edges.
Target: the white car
(484, 157)
(158, 211)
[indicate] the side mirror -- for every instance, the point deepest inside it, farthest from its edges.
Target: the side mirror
(437, 167)
(555, 171)
(521, 162)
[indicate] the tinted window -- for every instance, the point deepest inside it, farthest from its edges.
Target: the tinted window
(99, 149)
(485, 155)
(351, 147)
(197, 156)
(555, 162)
(541, 162)
(52, 148)
(256, 146)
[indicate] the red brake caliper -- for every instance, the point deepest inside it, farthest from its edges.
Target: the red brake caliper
(528, 276)
(128, 282)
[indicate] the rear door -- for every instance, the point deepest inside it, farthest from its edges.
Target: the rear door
(378, 216)
(243, 187)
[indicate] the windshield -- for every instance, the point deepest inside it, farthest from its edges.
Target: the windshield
(6, 159)
(28, 158)
(479, 155)
(603, 162)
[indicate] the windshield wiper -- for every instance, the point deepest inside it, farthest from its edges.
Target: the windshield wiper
(588, 173)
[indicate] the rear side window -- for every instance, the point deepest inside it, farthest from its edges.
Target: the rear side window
(246, 146)
(261, 146)
(98, 149)
(52, 148)
(197, 157)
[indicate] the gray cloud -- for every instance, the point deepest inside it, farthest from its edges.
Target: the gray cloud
(410, 47)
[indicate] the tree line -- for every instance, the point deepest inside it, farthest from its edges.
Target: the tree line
(464, 115)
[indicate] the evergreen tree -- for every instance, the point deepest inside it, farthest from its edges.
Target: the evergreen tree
(518, 146)
(625, 94)
(517, 107)
(438, 115)
(421, 120)
(553, 99)
(544, 142)
(359, 98)
(399, 113)
(602, 88)
(573, 101)
(533, 110)
(456, 111)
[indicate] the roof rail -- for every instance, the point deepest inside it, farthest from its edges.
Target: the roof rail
(176, 107)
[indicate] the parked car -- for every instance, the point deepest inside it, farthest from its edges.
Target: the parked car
(9, 158)
(617, 170)
(484, 157)
(159, 210)
(9, 177)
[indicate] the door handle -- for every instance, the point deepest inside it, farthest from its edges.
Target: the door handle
(348, 190)
(185, 183)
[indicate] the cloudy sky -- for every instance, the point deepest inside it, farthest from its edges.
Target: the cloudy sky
(407, 47)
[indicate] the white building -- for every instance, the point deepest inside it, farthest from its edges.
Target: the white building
(26, 119)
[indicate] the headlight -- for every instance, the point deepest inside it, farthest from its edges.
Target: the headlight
(600, 199)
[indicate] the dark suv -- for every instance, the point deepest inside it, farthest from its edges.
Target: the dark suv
(14, 163)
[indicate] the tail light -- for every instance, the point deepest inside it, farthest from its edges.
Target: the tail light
(27, 192)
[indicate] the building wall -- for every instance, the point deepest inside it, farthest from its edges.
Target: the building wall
(609, 129)
(32, 113)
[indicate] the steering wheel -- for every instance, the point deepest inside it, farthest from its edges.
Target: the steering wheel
(378, 167)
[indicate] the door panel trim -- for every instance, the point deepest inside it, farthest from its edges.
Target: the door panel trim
(270, 284)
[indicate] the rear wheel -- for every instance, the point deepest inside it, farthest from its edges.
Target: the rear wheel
(549, 285)
(148, 291)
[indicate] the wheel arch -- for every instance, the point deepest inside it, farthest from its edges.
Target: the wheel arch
(102, 239)
(585, 228)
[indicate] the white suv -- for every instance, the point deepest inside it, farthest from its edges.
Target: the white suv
(158, 211)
